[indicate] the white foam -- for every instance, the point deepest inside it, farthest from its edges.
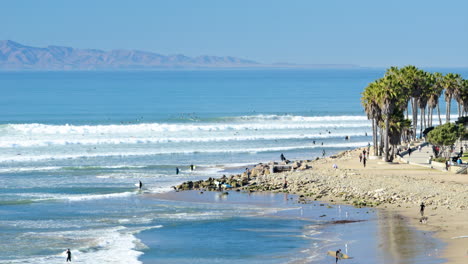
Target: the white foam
(110, 245)
(20, 158)
(21, 143)
(147, 128)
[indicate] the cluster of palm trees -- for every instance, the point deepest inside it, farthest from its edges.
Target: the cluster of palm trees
(387, 99)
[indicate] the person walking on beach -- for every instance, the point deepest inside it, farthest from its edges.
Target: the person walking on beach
(422, 208)
(68, 252)
(360, 157)
(364, 161)
(338, 255)
(409, 152)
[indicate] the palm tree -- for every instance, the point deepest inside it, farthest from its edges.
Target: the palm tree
(389, 92)
(464, 96)
(372, 109)
(411, 78)
(398, 127)
(451, 83)
(436, 89)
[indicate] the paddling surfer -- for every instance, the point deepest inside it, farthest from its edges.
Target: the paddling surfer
(140, 184)
(177, 170)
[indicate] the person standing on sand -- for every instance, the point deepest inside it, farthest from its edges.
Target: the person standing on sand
(364, 161)
(360, 157)
(422, 208)
(68, 252)
(338, 255)
(409, 152)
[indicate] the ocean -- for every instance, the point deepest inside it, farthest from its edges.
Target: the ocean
(74, 144)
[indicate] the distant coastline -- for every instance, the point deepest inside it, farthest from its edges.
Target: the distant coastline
(18, 57)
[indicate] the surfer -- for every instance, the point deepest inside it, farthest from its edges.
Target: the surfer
(177, 171)
(338, 255)
(68, 252)
(191, 167)
(140, 184)
(282, 157)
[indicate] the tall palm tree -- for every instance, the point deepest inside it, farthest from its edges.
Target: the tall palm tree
(389, 92)
(464, 96)
(411, 79)
(372, 109)
(436, 89)
(451, 83)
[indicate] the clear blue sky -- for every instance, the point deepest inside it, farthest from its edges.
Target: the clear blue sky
(367, 33)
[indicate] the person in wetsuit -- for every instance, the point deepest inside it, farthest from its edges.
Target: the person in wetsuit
(68, 255)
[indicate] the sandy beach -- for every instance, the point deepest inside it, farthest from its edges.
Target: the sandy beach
(397, 188)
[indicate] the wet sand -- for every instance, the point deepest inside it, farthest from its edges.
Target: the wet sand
(369, 235)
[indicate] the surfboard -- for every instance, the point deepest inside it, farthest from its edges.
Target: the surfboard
(341, 255)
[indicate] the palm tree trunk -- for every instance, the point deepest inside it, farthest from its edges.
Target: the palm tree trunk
(387, 130)
(421, 124)
(429, 116)
(381, 141)
(415, 117)
(447, 111)
(459, 109)
(438, 112)
(374, 136)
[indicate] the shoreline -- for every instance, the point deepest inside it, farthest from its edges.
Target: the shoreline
(396, 187)
(337, 226)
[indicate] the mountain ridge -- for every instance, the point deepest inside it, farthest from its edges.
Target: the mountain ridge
(16, 56)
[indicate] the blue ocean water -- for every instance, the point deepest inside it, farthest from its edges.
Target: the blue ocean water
(73, 145)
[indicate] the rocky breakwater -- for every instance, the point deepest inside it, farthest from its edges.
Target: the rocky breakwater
(246, 180)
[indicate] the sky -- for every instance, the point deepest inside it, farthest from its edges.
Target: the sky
(373, 33)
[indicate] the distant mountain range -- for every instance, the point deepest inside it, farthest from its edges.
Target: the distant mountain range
(15, 56)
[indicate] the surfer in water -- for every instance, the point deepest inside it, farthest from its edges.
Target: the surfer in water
(177, 171)
(140, 185)
(338, 255)
(191, 167)
(68, 252)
